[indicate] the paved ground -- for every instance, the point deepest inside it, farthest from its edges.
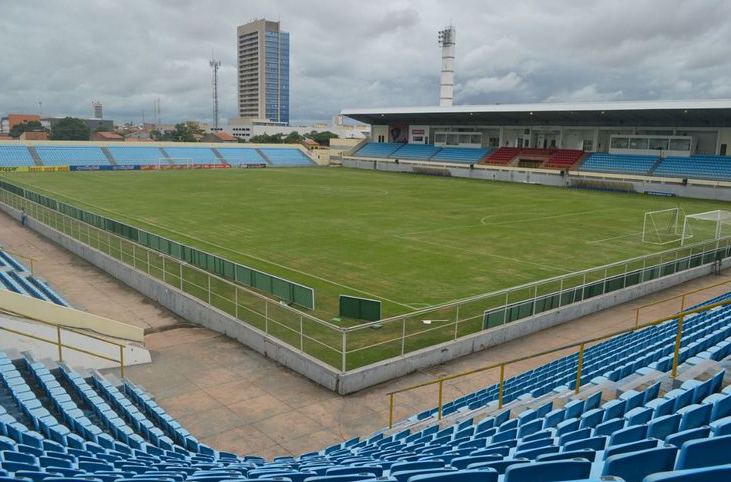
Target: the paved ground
(237, 400)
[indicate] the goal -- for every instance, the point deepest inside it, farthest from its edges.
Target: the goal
(664, 226)
(175, 163)
(707, 226)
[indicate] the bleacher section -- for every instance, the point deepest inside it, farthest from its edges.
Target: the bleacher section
(56, 422)
(72, 156)
(415, 151)
(563, 158)
(16, 277)
(237, 156)
(422, 152)
(461, 154)
(198, 155)
(377, 149)
(503, 155)
(619, 163)
(136, 155)
(11, 156)
(696, 167)
(283, 156)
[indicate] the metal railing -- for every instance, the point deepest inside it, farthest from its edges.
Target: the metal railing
(61, 345)
(681, 296)
(347, 348)
(440, 381)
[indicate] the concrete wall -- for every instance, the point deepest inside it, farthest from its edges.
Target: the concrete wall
(192, 309)
(694, 189)
(360, 378)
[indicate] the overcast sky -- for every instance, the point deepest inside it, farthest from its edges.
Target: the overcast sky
(126, 53)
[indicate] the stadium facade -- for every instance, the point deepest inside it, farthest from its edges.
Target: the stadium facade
(700, 127)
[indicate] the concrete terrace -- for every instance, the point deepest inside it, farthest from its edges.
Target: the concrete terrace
(234, 399)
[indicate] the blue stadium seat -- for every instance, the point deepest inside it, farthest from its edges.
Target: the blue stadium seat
(618, 163)
(695, 167)
(705, 453)
(12, 156)
(377, 149)
(281, 156)
(720, 473)
(237, 156)
(137, 155)
(635, 466)
(72, 156)
(548, 471)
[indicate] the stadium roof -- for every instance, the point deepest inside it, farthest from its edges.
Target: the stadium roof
(696, 113)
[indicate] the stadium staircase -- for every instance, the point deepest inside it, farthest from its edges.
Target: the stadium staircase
(165, 155)
(630, 420)
(220, 157)
(263, 156)
(35, 156)
(654, 166)
(109, 155)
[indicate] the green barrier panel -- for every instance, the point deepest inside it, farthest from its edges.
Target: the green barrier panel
(615, 284)
(683, 264)
(667, 269)
(360, 308)
(287, 290)
(491, 319)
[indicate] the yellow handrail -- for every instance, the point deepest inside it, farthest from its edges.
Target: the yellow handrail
(681, 295)
(61, 345)
(581, 344)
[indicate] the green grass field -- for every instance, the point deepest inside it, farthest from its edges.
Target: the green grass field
(410, 241)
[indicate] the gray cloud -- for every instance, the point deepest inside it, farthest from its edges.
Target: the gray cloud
(67, 53)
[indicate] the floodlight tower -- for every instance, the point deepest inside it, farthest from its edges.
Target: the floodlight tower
(215, 64)
(447, 39)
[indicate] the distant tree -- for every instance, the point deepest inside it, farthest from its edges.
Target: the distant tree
(267, 139)
(186, 132)
(240, 140)
(70, 129)
(293, 138)
(322, 138)
(18, 129)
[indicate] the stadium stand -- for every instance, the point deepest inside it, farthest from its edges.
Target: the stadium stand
(136, 155)
(619, 163)
(415, 151)
(198, 155)
(282, 156)
(563, 158)
(378, 149)
(11, 156)
(461, 154)
(16, 277)
(72, 156)
(503, 155)
(237, 156)
(696, 167)
(58, 424)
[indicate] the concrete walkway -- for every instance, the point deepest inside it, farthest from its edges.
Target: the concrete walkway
(237, 400)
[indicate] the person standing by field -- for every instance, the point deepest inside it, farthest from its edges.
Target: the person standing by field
(23, 217)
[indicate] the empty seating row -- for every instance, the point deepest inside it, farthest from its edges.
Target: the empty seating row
(20, 155)
(11, 156)
(696, 167)
(15, 277)
(57, 424)
(619, 163)
(423, 152)
(71, 155)
(282, 156)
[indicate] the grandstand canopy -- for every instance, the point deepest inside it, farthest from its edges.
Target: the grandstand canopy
(689, 113)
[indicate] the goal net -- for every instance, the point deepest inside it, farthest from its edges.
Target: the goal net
(706, 226)
(663, 227)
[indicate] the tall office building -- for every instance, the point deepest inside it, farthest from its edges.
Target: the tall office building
(263, 71)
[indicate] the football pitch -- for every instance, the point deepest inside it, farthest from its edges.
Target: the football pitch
(409, 241)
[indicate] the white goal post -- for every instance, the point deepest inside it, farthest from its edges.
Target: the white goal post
(664, 226)
(181, 162)
(707, 226)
